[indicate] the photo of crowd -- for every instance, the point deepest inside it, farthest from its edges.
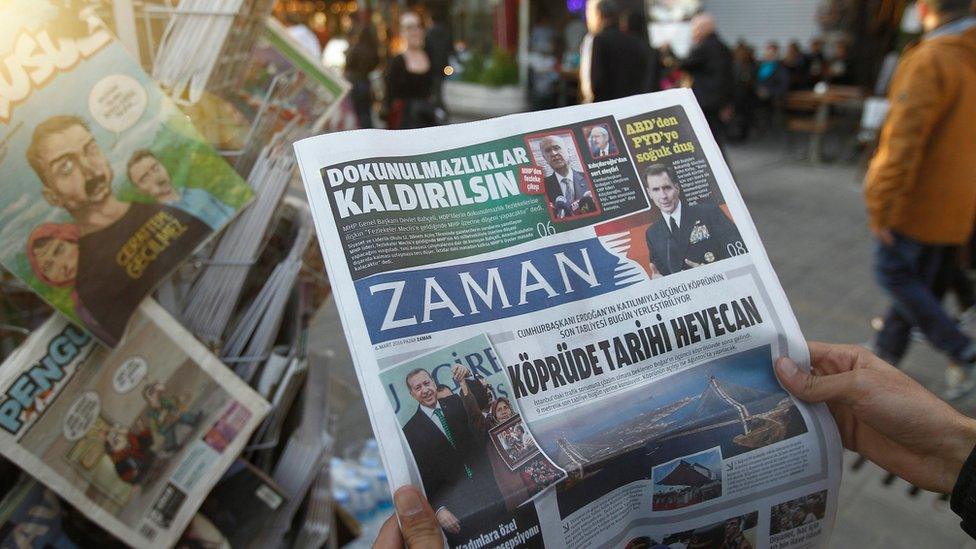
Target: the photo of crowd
(797, 512)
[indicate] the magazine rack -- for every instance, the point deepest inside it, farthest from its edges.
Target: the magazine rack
(142, 23)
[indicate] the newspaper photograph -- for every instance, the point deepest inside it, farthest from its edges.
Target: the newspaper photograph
(583, 289)
(133, 437)
(108, 186)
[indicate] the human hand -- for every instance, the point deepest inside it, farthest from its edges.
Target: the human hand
(692, 264)
(417, 529)
(459, 372)
(884, 415)
(448, 521)
(885, 236)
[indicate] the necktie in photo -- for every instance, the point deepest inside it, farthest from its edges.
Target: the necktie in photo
(674, 254)
(568, 190)
(450, 436)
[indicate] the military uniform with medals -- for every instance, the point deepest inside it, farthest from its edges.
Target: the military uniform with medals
(705, 235)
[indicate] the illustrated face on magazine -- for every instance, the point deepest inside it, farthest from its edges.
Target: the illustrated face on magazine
(74, 172)
(52, 250)
(150, 177)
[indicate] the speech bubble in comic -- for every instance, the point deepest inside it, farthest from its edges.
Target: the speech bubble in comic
(81, 416)
(117, 102)
(128, 375)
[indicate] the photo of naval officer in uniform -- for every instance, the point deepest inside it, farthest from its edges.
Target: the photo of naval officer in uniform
(686, 236)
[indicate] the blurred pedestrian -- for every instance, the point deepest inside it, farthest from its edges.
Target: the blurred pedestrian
(439, 45)
(743, 92)
(362, 58)
(671, 75)
(710, 66)
(634, 24)
(618, 67)
(772, 78)
(839, 70)
(410, 80)
(919, 189)
(797, 66)
(586, 52)
(816, 61)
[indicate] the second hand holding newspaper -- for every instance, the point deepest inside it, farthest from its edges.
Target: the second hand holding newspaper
(575, 298)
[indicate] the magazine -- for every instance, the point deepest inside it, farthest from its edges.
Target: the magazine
(578, 290)
(289, 81)
(133, 437)
(109, 187)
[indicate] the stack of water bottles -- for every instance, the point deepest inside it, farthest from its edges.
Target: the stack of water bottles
(361, 485)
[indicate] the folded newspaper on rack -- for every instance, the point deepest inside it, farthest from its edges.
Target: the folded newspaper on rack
(578, 290)
(133, 437)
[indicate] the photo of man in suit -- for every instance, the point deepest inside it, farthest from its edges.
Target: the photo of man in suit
(686, 236)
(566, 188)
(447, 437)
(600, 143)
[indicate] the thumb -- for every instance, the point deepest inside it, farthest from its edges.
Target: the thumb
(417, 521)
(812, 388)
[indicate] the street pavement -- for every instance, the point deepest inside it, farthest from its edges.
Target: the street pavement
(812, 221)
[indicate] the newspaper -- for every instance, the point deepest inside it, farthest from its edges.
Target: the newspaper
(108, 186)
(578, 290)
(132, 437)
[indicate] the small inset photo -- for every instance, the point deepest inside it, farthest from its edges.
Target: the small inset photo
(687, 480)
(600, 142)
(738, 531)
(788, 515)
(514, 442)
(568, 189)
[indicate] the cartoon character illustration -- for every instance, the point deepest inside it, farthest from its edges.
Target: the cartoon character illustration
(151, 177)
(52, 251)
(130, 450)
(167, 412)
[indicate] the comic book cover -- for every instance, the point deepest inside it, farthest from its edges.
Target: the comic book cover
(107, 186)
(133, 437)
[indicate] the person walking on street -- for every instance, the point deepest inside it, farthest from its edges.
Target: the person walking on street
(439, 45)
(410, 80)
(919, 190)
(710, 66)
(618, 67)
(362, 58)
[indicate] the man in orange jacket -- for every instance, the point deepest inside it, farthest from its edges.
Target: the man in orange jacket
(921, 186)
